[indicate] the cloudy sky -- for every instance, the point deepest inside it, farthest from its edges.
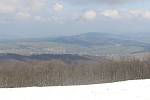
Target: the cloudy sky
(67, 17)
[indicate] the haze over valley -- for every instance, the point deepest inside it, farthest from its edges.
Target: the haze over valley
(73, 42)
(92, 43)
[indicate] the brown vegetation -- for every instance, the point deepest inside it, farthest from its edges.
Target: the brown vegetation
(59, 73)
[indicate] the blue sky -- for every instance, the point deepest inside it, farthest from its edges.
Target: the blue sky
(36, 18)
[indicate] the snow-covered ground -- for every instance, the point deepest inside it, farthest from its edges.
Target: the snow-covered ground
(129, 90)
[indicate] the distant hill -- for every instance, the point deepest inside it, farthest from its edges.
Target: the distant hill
(92, 43)
(42, 57)
(101, 39)
(142, 36)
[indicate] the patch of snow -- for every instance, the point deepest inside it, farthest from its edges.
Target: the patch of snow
(129, 90)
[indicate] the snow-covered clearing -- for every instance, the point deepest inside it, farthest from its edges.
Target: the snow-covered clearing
(129, 90)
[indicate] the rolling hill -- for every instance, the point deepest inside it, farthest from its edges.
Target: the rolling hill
(92, 43)
(105, 41)
(97, 39)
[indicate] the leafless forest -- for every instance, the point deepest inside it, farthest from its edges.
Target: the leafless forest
(60, 73)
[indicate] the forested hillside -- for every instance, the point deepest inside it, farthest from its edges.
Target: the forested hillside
(57, 72)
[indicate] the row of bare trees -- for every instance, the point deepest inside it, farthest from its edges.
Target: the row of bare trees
(59, 73)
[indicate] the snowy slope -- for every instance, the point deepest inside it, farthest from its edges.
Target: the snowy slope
(129, 90)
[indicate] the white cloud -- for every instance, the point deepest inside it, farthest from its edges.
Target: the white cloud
(36, 5)
(127, 14)
(140, 13)
(89, 15)
(107, 2)
(58, 7)
(22, 9)
(40, 10)
(111, 13)
(38, 18)
(23, 16)
(7, 7)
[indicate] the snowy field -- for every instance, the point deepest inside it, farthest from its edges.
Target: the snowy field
(129, 90)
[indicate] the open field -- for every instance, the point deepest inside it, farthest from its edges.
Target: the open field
(28, 48)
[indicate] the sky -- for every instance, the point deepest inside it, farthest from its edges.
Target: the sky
(36, 18)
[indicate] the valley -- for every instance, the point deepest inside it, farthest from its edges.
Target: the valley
(95, 44)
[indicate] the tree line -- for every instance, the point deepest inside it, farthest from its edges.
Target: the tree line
(60, 73)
